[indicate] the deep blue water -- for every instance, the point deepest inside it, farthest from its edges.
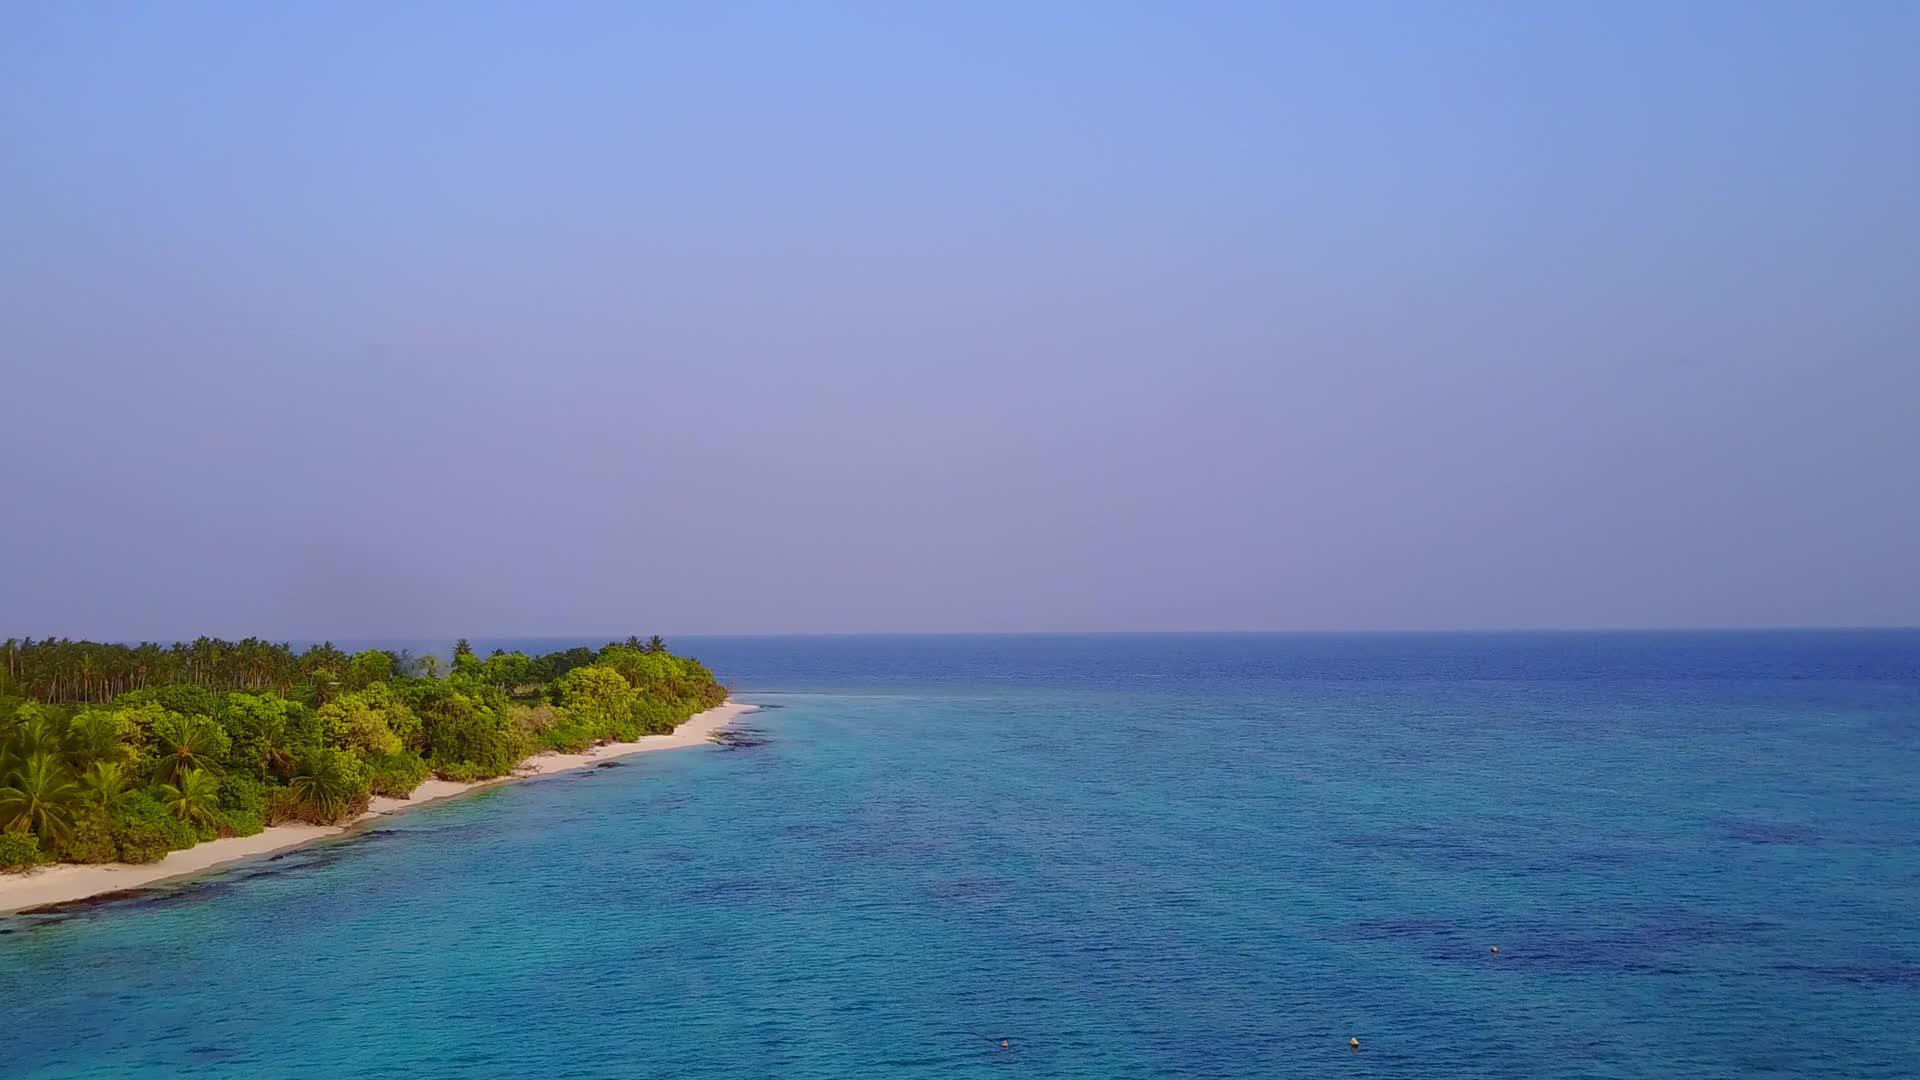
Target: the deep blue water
(1135, 856)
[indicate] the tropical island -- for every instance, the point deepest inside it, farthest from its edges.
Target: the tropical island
(118, 754)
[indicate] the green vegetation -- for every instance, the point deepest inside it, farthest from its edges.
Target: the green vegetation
(18, 851)
(116, 752)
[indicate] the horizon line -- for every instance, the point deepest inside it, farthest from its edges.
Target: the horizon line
(742, 635)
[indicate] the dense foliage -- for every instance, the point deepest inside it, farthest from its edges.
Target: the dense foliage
(117, 752)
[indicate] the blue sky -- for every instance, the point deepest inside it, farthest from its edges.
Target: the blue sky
(363, 319)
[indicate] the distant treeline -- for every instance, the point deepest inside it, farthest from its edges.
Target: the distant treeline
(130, 751)
(58, 671)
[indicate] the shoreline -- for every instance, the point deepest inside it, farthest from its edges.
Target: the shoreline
(66, 883)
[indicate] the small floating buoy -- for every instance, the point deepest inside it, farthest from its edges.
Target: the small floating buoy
(1494, 949)
(1353, 1044)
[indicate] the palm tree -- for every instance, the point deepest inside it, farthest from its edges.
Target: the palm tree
(93, 736)
(323, 785)
(142, 662)
(40, 799)
(188, 742)
(88, 669)
(326, 684)
(276, 748)
(196, 799)
(36, 735)
(106, 784)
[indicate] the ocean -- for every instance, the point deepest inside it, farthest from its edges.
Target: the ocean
(1127, 856)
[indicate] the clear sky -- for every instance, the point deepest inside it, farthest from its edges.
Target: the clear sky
(392, 319)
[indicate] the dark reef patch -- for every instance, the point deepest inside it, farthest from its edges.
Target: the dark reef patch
(739, 738)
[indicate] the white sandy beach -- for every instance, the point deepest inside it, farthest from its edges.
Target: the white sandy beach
(68, 881)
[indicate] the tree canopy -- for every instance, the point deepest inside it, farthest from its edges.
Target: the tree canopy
(113, 751)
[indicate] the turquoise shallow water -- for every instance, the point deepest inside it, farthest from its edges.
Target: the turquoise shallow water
(1132, 856)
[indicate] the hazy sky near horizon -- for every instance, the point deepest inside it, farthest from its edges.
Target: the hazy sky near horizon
(437, 318)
